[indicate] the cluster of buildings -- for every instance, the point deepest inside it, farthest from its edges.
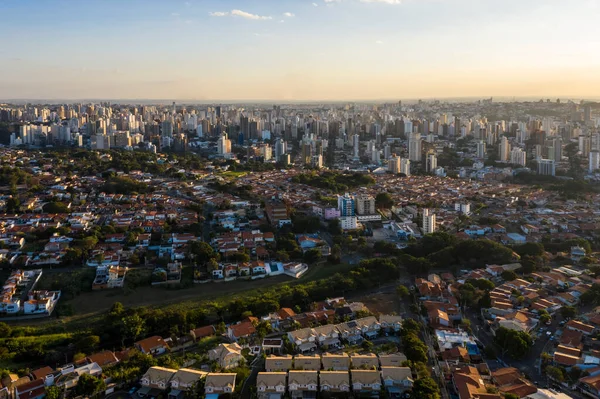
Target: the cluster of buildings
(20, 298)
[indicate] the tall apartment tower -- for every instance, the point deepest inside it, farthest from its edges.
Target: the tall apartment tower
(414, 147)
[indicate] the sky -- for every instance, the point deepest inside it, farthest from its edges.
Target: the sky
(298, 50)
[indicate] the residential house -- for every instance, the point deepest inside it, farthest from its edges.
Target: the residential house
(278, 363)
(364, 381)
(31, 390)
(219, 383)
(396, 379)
(509, 380)
(184, 380)
(335, 361)
(575, 325)
(302, 383)
(271, 385)
(154, 345)
(367, 361)
(390, 323)
(303, 339)
(590, 385)
(157, 378)
(350, 331)
(312, 362)
(103, 359)
(202, 332)
(227, 355)
(334, 381)
(469, 384)
(327, 336)
(239, 330)
(392, 360)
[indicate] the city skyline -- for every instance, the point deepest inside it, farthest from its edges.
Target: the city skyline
(294, 51)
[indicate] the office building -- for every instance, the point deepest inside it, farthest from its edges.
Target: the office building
(280, 149)
(585, 145)
(356, 146)
(547, 167)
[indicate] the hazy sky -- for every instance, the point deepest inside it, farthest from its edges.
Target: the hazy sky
(298, 49)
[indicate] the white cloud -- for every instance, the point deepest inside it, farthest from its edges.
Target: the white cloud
(239, 13)
(315, 4)
(378, 42)
(332, 1)
(382, 1)
(174, 14)
(247, 15)
(288, 14)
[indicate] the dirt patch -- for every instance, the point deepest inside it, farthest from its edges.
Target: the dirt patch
(381, 303)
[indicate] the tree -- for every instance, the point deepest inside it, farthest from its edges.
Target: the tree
(515, 343)
(312, 255)
(414, 349)
(568, 312)
(201, 251)
(89, 385)
(54, 392)
(509, 275)
(56, 207)
(402, 291)
(555, 373)
(511, 396)
(5, 330)
(384, 201)
(88, 344)
(132, 327)
(426, 388)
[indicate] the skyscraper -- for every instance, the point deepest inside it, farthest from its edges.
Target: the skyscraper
(356, 146)
(224, 146)
(414, 147)
(428, 221)
(394, 165)
(481, 149)
(594, 163)
(504, 149)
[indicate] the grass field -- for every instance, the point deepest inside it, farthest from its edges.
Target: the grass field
(232, 174)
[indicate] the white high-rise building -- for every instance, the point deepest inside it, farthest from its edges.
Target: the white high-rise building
(394, 165)
(481, 149)
(594, 163)
(224, 146)
(518, 157)
(375, 156)
(405, 166)
(280, 149)
(356, 145)
(431, 163)
(199, 131)
(464, 208)
(504, 149)
(414, 147)
(387, 151)
(267, 152)
(428, 222)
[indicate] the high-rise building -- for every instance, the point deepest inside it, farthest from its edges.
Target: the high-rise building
(504, 149)
(346, 205)
(585, 145)
(587, 113)
(518, 157)
(464, 208)
(405, 166)
(394, 165)
(166, 127)
(594, 163)
(280, 149)
(356, 145)
(547, 167)
(431, 163)
(481, 149)
(365, 205)
(414, 147)
(428, 221)
(224, 146)
(557, 149)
